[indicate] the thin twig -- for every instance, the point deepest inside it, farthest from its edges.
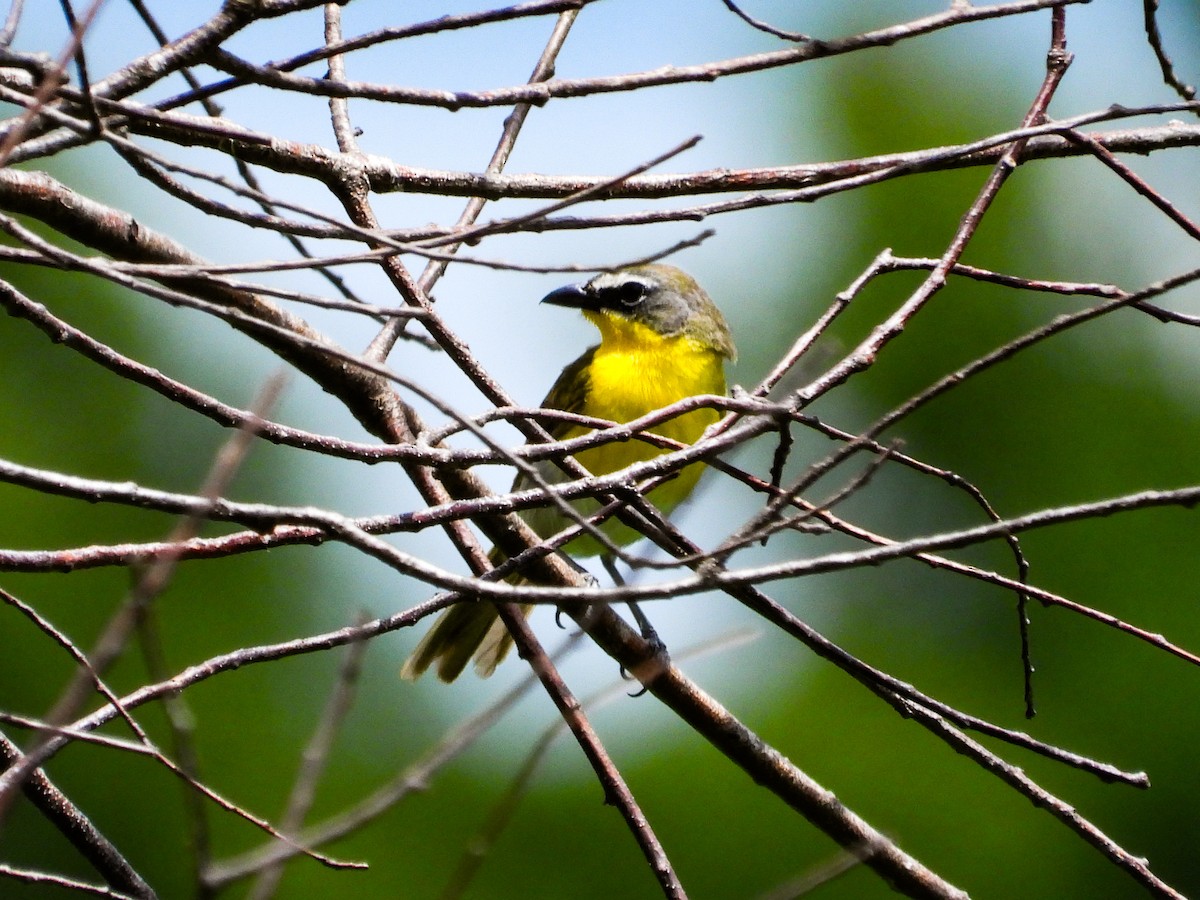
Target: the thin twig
(71, 822)
(540, 93)
(616, 791)
(764, 26)
(1154, 36)
(413, 779)
(506, 806)
(314, 761)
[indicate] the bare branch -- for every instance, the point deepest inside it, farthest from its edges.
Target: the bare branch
(803, 480)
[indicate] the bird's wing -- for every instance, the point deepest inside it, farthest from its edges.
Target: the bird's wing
(570, 392)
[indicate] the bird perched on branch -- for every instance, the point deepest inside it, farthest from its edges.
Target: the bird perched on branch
(661, 340)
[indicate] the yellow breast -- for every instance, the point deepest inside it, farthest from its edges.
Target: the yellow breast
(635, 371)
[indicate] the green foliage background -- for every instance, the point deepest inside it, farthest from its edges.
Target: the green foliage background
(1107, 410)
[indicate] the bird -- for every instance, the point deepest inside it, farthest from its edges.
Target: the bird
(662, 339)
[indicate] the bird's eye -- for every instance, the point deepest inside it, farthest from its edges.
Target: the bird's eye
(627, 294)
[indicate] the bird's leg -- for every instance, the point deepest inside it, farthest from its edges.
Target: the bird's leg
(589, 579)
(649, 635)
(658, 658)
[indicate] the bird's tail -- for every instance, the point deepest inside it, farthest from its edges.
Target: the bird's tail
(469, 628)
(465, 630)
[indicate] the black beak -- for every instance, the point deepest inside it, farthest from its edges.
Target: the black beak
(574, 296)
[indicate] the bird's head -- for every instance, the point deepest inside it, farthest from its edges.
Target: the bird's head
(661, 298)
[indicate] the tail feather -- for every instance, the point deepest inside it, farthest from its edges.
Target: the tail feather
(453, 640)
(495, 646)
(465, 630)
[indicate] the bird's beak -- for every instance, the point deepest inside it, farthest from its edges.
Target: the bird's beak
(573, 296)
